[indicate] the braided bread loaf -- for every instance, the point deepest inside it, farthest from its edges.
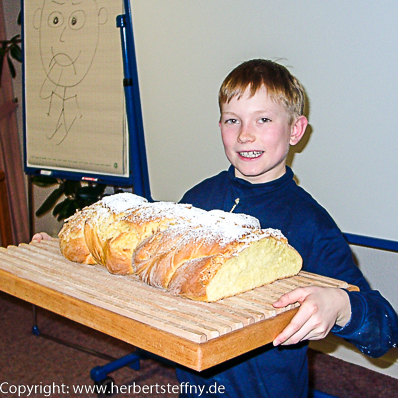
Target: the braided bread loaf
(188, 251)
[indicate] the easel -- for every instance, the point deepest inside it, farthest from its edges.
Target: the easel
(140, 186)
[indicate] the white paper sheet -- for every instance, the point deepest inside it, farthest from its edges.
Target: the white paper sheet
(74, 96)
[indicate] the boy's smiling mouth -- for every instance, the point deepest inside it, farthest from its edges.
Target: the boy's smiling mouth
(251, 154)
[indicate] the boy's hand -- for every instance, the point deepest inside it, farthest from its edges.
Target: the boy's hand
(41, 236)
(320, 309)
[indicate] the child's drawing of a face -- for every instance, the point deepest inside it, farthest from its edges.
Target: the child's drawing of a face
(69, 31)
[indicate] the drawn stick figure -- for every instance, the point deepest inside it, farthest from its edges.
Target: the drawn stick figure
(69, 33)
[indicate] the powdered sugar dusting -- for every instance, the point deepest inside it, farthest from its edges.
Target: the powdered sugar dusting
(229, 219)
(193, 223)
(219, 226)
(196, 223)
(223, 227)
(121, 202)
(158, 210)
(275, 233)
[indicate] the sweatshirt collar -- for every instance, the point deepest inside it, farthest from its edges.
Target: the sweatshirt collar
(246, 187)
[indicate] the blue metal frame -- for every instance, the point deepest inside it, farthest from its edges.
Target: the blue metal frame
(100, 373)
(319, 394)
(138, 176)
(374, 243)
(133, 104)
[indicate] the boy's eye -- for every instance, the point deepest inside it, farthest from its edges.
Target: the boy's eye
(231, 121)
(264, 120)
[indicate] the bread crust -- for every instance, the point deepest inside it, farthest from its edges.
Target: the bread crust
(80, 236)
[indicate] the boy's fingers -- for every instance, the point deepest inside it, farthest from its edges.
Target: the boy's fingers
(315, 317)
(296, 295)
(296, 328)
(36, 238)
(41, 236)
(299, 327)
(284, 300)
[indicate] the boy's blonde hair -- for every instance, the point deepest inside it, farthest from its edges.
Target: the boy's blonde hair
(281, 85)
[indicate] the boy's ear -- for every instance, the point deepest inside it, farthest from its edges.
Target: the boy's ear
(298, 129)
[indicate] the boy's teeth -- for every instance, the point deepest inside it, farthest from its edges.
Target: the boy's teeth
(251, 154)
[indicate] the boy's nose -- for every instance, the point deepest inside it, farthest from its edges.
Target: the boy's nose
(245, 135)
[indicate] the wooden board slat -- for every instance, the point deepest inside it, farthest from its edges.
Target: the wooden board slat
(194, 334)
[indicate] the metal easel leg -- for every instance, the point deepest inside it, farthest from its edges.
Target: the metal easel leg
(36, 331)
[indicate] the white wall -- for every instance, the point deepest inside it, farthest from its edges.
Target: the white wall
(345, 54)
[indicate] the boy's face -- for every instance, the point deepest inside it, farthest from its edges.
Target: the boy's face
(256, 134)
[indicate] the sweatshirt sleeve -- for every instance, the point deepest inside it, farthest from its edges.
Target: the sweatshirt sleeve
(373, 327)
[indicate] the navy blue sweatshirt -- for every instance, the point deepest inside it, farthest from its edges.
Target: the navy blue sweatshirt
(282, 371)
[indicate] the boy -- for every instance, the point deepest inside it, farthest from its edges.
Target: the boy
(261, 107)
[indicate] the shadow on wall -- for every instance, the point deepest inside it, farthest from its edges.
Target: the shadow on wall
(303, 142)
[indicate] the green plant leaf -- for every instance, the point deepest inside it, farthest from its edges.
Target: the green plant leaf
(90, 194)
(65, 209)
(16, 52)
(19, 19)
(71, 187)
(44, 181)
(81, 203)
(49, 203)
(101, 188)
(64, 206)
(58, 207)
(16, 38)
(11, 67)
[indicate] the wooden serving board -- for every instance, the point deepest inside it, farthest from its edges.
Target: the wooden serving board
(195, 334)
